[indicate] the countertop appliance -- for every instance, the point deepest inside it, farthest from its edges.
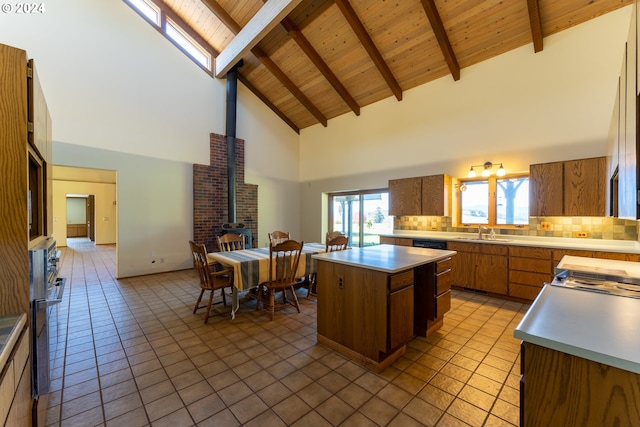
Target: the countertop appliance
(613, 277)
(430, 243)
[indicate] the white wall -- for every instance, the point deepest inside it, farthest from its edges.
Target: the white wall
(112, 82)
(519, 108)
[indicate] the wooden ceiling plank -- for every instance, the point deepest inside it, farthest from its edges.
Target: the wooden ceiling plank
(269, 64)
(222, 15)
(441, 35)
(286, 81)
(268, 17)
(536, 24)
(367, 43)
(268, 103)
(322, 66)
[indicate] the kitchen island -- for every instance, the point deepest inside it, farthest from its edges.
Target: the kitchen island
(580, 359)
(373, 300)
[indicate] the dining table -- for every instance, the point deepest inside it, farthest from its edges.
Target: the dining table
(251, 267)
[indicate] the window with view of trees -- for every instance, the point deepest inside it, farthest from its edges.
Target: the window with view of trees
(495, 201)
(360, 215)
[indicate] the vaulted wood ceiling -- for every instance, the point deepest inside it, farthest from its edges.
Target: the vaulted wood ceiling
(320, 59)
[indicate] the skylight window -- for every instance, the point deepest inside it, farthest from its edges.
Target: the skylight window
(148, 11)
(189, 46)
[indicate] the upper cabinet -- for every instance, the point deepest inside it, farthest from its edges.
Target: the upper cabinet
(427, 195)
(622, 141)
(405, 196)
(570, 188)
(436, 195)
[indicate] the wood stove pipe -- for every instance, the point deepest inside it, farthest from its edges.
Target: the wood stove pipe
(232, 100)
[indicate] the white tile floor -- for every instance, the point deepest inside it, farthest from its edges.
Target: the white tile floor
(131, 353)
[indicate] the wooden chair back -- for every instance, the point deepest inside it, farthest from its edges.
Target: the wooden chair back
(199, 252)
(230, 242)
(338, 243)
(331, 234)
(283, 263)
(278, 236)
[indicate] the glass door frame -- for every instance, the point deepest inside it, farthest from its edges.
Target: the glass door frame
(361, 200)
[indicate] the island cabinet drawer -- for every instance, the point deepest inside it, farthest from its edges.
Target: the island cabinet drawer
(530, 252)
(443, 265)
(443, 282)
(400, 280)
(443, 304)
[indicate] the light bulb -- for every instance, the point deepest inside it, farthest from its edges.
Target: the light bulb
(472, 173)
(501, 171)
(486, 172)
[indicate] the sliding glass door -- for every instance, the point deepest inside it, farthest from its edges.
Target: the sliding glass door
(360, 215)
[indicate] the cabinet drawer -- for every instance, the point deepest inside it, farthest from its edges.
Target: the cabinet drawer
(443, 265)
(21, 355)
(530, 252)
(532, 265)
(528, 278)
(443, 282)
(443, 304)
(481, 248)
(524, 291)
(401, 280)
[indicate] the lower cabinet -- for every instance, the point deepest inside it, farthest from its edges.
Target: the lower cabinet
(370, 315)
(559, 389)
(480, 266)
(529, 269)
(399, 241)
(15, 385)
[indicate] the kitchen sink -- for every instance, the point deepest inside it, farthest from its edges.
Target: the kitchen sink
(485, 239)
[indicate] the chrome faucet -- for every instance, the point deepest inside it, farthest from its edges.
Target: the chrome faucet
(480, 230)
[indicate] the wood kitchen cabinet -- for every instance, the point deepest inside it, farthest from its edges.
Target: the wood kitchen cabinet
(405, 196)
(436, 195)
(420, 196)
(480, 266)
(569, 188)
(368, 313)
(560, 389)
(529, 269)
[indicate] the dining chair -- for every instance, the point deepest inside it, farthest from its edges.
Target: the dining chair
(278, 236)
(212, 278)
(230, 242)
(283, 267)
(334, 241)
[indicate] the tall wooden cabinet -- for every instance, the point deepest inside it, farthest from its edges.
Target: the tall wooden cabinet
(25, 192)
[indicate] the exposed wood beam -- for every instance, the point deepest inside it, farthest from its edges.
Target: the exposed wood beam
(222, 15)
(268, 17)
(441, 35)
(322, 66)
(268, 103)
(286, 81)
(268, 63)
(536, 24)
(367, 43)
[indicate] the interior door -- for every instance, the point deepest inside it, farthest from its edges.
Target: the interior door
(91, 213)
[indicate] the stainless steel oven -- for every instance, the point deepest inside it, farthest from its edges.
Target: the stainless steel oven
(46, 290)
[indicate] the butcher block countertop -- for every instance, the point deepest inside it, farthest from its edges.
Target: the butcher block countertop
(597, 327)
(385, 258)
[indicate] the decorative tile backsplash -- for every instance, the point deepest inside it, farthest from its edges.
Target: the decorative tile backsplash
(595, 227)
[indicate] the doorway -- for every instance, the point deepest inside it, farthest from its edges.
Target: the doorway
(81, 216)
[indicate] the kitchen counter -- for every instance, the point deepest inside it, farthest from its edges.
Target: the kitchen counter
(385, 258)
(627, 246)
(593, 326)
(10, 327)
